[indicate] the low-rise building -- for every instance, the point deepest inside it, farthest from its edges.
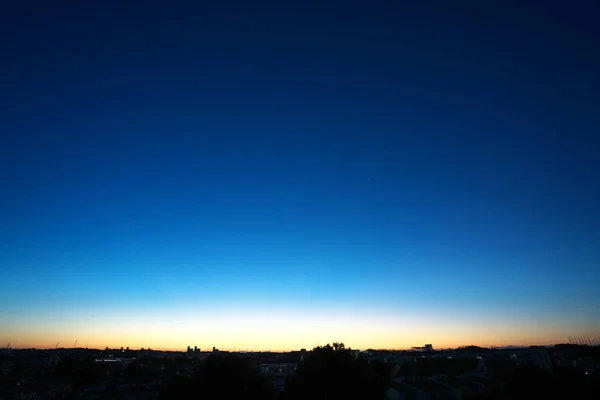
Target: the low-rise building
(277, 369)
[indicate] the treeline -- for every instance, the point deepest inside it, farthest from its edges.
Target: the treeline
(328, 372)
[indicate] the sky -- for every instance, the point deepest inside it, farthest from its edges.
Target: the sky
(277, 175)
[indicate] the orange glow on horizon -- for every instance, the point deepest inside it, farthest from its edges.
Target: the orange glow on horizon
(284, 334)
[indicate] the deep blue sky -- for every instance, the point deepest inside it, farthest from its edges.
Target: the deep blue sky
(390, 158)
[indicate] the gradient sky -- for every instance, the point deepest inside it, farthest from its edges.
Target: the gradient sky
(273, 175)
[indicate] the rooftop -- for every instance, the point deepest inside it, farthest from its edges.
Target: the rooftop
(483, 381)
(400, 387)
(437, 366)
(427, 385)
(458, 383)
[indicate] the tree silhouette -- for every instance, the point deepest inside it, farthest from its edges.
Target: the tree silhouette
(330, 372)
(338, 346)
(80, 371)
(219, 377)
(472, 349)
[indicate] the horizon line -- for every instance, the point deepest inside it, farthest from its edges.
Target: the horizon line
(283, 351)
